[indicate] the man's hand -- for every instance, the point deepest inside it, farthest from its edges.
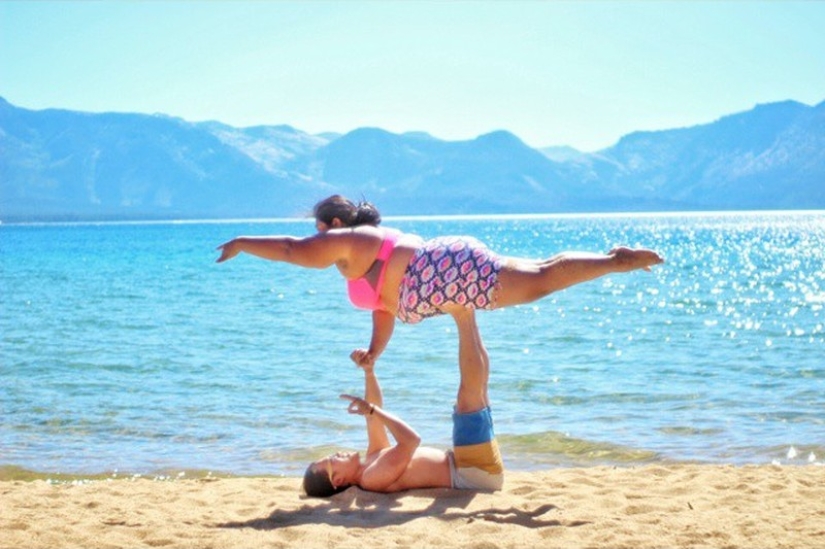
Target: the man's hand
(358, 405)
(363, 358)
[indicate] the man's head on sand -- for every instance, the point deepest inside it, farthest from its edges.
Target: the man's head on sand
(331, 475)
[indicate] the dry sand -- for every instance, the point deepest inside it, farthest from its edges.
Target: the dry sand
(651, 506)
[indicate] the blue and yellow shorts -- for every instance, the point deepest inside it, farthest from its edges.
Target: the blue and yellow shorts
(475, 461)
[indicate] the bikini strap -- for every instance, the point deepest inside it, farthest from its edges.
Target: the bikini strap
(387, 246)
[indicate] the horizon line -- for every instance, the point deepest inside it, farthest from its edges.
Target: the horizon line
(426, 217)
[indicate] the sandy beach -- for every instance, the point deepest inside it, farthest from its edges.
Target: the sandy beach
(650, 506)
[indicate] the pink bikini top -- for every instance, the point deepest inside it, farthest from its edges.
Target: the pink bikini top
(361, 294)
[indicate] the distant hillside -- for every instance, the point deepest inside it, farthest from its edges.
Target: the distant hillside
(770, 157)
(63, 165)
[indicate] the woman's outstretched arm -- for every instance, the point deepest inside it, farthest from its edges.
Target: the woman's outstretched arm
(319, 251)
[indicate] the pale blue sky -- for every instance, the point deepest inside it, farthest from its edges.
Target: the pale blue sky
(554, 73)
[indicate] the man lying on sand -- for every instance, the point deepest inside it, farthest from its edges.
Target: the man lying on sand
(474, 463)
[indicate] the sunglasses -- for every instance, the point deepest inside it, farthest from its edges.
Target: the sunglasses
(329, 471)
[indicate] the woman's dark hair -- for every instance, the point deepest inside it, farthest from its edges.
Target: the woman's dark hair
(317, 483)
(350, 214)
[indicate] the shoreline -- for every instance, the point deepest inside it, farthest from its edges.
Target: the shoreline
(659, 505)
(12, 472)
(801, 456)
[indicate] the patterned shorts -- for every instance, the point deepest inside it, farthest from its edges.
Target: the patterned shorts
(446, 270)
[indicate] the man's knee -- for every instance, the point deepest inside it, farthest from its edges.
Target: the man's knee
(470, 399)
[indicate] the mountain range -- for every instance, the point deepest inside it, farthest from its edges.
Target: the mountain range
(67, 165)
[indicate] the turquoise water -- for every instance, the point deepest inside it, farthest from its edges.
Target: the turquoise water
(125, 347)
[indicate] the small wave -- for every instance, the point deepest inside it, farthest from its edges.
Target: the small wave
(18, 473)
(689, 431)
(552, 447)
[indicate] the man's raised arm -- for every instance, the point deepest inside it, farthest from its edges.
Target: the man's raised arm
(376, 432)
(385, 466)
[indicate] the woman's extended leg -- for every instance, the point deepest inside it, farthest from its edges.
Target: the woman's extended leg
(523, 281)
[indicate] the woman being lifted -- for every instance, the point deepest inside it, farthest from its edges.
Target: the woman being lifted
(398, 275)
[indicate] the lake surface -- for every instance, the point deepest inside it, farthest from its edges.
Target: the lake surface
(126, 347)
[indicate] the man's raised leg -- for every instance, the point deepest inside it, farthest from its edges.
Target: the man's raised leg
(474, 365)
